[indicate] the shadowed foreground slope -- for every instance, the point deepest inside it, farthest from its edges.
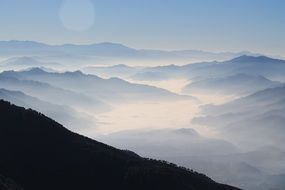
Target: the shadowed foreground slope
(38, 153)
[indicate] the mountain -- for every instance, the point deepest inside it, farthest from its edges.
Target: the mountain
(48, 92)
(164, 143)
(240, 84)
(261, 115)
(134, 72)
(112, 52)
(271, 68)
(61, 113)
(244, 169)
(8, 184)
(112, 89)
(149, 76)
(31, 48)
(16, 63)
(120, 70)
(38, 153)
(100, 49)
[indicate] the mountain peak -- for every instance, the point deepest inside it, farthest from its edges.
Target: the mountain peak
(36, 70)
(20, 44)
(110, 44)
(74, 73)
(248, 58)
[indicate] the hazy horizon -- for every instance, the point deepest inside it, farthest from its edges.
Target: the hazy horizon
(215, 26)
(199, 83)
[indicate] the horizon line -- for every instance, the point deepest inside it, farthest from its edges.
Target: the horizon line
(127, 46)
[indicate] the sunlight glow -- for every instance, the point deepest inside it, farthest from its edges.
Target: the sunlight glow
(77, 15)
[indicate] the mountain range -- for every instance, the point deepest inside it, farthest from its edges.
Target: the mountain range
(260, 115)
(48, 92)
(17, 63)
(112, 89)
(270, 68)
(261, 169)
(163, 143)
(38, 153)
(239, 84)
(109, 50)
(62, 113)
(73, 85)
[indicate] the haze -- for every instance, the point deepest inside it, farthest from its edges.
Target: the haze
(196, 82)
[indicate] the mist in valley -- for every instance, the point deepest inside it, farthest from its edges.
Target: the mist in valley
(224, 119)
(200, 84)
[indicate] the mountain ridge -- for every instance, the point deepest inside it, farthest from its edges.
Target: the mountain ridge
(112, 50)
(238, 84)
(61, 159)
(94, 86)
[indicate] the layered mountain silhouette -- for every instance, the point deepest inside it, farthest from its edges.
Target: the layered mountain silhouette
(270, 68)
(242, 169)
(112, 89)
(38, 153)
(61, 113)
(120, 70)
(25, 62)
(260, 115)
(107, 50)
(164, 143)
(240, 84)
(47, 92)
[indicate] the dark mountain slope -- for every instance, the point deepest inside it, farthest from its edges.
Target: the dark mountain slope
(63, 114)
(39, 153)
(8, 184)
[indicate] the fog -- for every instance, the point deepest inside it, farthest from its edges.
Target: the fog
(152, 115)
(230, 126)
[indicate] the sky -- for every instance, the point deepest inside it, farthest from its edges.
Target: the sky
(210, 25)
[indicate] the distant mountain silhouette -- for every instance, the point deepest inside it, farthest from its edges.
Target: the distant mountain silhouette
(164, 143)
(261, 115)
(270, 68)
(241, 169)
(112, 71)
(112, 89)
(239, 84)
(109, 50)
(47, 92)
(149, 76)
(61, 113)
(25, 62)
(254, 59)
(38, 153)
(257, 66)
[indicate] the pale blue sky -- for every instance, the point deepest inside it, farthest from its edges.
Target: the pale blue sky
(213, 25)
